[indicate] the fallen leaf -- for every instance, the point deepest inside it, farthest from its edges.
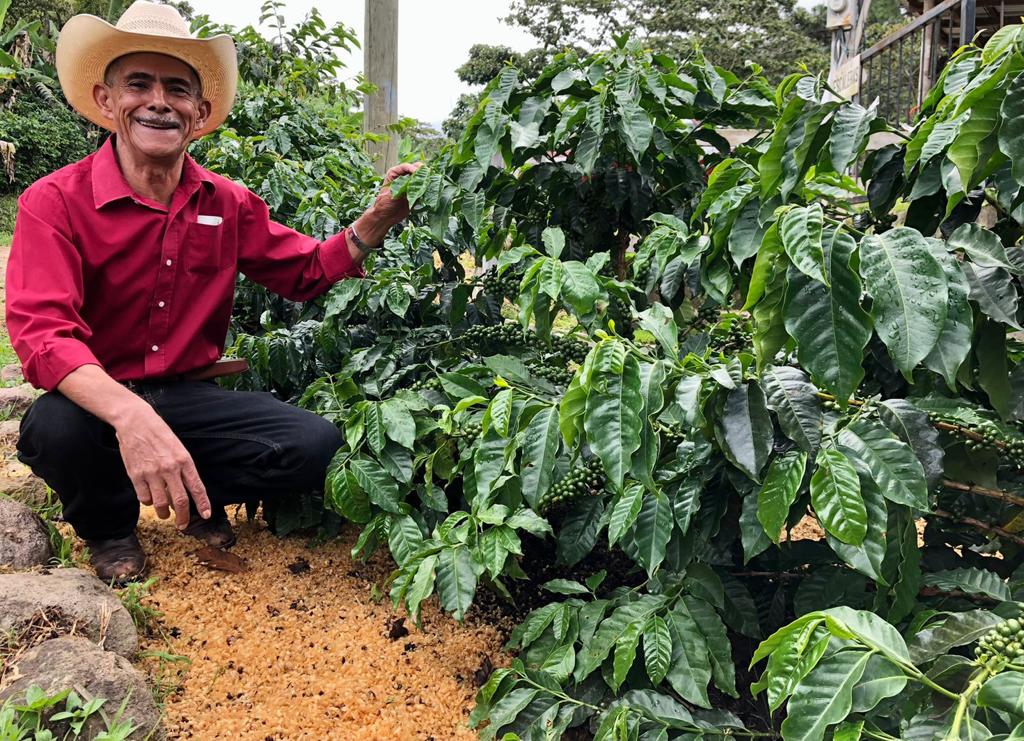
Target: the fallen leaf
(215, 558)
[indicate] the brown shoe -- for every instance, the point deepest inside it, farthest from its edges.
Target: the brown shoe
(118, 560)
(216, 531)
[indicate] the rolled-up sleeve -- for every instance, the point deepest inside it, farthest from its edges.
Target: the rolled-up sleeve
(291, 264)
(45, 291)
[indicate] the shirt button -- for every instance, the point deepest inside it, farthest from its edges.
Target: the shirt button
(168, 263)
(155, 348)
(161, 304)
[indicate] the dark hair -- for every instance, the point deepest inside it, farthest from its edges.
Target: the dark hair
(110, 72)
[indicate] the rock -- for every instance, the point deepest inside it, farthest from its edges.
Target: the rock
(11, 374)
(77, 664)
(10, 431)
(18, 482)
(24, 539)
(74, 600)
(16, 399)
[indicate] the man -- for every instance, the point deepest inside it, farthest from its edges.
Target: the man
(119, 292)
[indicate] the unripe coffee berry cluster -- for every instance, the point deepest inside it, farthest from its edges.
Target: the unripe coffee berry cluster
(985, 435)
(1005, 640)
(506, 284)
(583, 480)
(432, 383)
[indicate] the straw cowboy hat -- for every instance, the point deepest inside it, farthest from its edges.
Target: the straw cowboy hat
(87, 45)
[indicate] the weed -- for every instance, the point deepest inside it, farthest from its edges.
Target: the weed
(35, 718)
(168, 675)
(51, 512)
(132, 596)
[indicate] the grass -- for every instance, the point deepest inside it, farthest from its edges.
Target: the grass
(61, 546)
(168, 676)
(133, 596)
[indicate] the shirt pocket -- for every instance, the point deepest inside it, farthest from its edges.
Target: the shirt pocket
(203, 248)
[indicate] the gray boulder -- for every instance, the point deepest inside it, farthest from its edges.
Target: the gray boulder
(14, 400)
(10, 431)
(17, 481)
(72, 663)
(11, 374)
(24, 540)
(72, 600)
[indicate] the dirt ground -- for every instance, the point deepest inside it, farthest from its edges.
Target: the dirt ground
(298, 648)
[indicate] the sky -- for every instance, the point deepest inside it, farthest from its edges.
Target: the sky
(434, 37)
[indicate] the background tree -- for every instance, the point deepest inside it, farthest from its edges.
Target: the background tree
(778, 34)
(484, 64)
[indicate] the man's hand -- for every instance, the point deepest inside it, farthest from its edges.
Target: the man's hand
(386, 210)
(159, 466)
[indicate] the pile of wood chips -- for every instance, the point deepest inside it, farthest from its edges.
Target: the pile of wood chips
(296, 646)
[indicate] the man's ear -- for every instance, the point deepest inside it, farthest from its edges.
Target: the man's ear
(101, 94)
(205, 109)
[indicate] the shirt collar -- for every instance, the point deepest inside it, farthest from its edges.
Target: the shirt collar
(109, 184)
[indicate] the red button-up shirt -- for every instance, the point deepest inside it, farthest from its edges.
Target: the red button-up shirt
(100, 275)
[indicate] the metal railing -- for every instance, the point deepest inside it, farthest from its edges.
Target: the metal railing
(901, 69)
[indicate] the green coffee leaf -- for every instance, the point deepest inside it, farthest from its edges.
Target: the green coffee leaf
(781, 485)
(836, 496)
(910, 294)
(825, 697)
(830, 327)
(801, 232)
(890, 462)
(794, 399)
(657, 649)
(746, 430)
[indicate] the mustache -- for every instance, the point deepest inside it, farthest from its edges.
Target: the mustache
(169, 123)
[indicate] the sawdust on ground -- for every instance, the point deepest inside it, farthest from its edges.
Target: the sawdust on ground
(306, 653)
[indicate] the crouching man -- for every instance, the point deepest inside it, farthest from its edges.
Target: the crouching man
(119, 294)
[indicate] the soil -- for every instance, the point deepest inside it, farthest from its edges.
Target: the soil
(286, 652)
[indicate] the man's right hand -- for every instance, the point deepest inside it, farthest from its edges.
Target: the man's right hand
(159, 466)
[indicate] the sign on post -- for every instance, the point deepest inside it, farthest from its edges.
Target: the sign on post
(846, 77)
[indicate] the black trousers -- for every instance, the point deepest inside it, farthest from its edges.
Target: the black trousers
(245, 446)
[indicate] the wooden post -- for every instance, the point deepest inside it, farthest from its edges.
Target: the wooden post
(968, 21)
(380, 65)
(928, 46)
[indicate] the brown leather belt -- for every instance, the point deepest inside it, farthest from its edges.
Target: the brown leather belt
(222, 367)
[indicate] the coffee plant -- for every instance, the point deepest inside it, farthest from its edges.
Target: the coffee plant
(615, 359)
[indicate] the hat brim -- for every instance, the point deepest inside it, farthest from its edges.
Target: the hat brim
(87, 45)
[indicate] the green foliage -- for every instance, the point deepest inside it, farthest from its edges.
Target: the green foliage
(710, 345)
(39, 717)
(133, 597)
(8, 213)
(46, 136)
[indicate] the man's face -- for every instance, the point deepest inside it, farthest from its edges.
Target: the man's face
(155, 104)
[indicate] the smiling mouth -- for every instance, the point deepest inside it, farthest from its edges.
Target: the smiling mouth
(158, 125)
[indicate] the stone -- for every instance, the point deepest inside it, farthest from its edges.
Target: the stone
(14, 400)
(24, 539)
(73, 599)
(73, 663)
(18, 482)
(11, 374)
(10, 431)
